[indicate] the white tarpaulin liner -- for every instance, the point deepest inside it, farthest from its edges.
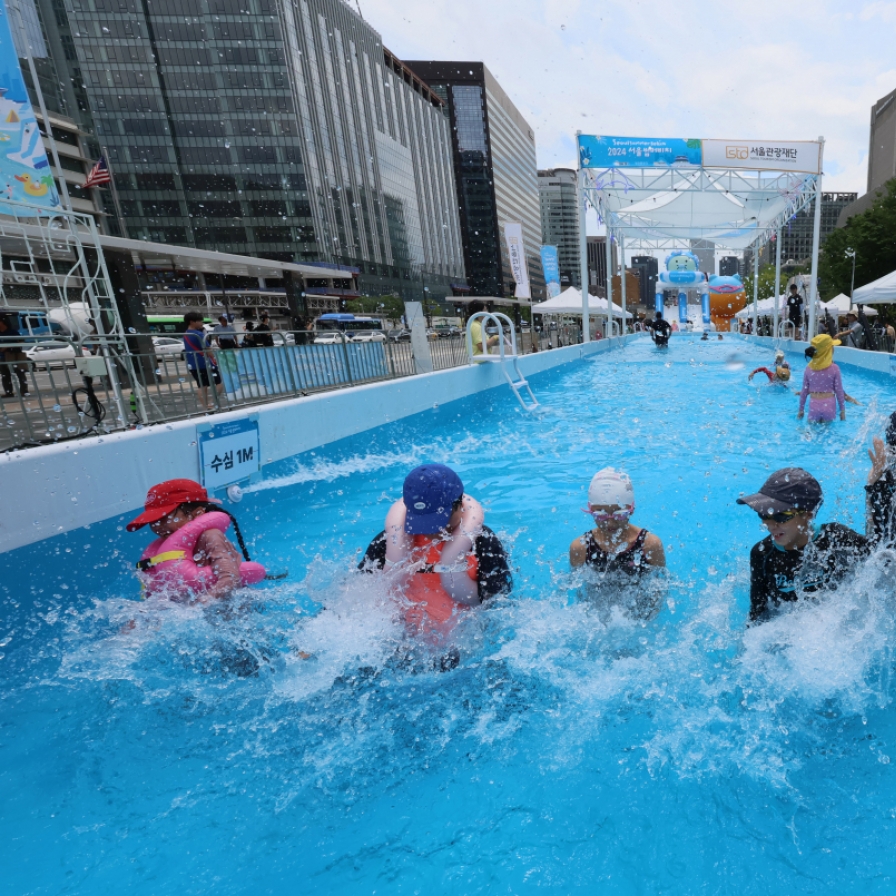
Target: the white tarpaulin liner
(570, 302)
(733, 209)
(880, 292)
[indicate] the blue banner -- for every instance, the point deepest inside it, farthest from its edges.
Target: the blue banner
(288, 369)
(550, 263)
(638, 152)
(25, 174)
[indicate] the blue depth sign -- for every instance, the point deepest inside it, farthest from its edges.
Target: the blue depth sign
(229, 452)
(638, 152)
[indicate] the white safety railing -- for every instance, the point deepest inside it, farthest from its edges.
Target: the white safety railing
(498, 321)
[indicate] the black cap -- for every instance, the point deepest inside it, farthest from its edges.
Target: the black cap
(787, 489)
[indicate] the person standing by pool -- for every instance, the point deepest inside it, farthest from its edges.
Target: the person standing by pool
(436, 542)
(796, 556)
(795, 308)
(200, 361)
(854, 334)
(822, 382)
(476, 330)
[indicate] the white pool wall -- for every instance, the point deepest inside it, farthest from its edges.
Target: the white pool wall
(57, 488)
(879, 362)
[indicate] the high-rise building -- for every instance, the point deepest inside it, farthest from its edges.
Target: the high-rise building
(275, 129)
(558, 197)
(597, 265)
(647, 268)
(881, 156)
(796, 235)
(729, 265)
(496, 173)
(705, 250)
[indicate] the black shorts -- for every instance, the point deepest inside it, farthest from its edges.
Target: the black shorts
(202, 377)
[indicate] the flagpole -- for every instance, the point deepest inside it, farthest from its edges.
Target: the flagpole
(121, 224)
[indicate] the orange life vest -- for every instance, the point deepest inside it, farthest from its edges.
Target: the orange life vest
(425, 590)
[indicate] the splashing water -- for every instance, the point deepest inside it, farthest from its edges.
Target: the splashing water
(298, 733)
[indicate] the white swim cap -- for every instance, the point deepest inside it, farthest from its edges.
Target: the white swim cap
(609, 487)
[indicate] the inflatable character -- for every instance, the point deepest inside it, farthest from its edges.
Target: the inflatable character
(726, 298)
(682, 273)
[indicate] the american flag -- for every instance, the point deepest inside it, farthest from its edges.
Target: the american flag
(99, 174)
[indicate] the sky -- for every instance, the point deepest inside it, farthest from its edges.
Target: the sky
(767, 69)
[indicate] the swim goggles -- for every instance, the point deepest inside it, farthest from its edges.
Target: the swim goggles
(600, 516)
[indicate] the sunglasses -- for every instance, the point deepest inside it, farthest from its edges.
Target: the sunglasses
(784, 516)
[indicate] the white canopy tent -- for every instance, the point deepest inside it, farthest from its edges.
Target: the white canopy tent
(880, 292)
(764, 307)
(570, 302)
(655, 194)
(842, 304)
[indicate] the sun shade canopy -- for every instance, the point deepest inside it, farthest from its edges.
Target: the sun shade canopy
(664, 208)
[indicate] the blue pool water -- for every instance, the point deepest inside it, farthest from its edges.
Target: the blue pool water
(570, 751)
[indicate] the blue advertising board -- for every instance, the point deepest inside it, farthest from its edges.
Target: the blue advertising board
(550, 263)
(25, 174)
(638, 152)
(287, 369)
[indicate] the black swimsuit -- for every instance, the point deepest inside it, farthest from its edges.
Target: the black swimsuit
(630, 561)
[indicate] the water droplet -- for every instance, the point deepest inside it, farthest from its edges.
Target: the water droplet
(73, 429)
(57, 408)
(733, 363)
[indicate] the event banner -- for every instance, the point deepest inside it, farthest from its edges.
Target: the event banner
(25, 174)
(637, 152)
(513, 235)
(767, 155)
(649, 152)
(550, 262)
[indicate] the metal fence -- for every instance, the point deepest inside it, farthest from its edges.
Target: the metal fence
(47, 398)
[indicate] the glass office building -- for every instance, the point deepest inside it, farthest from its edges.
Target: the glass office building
(496, 173)
(558, 196)
(276, 128)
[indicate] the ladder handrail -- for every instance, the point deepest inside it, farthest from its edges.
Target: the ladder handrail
(498, 319)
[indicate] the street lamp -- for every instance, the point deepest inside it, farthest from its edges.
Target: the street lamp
(851, 253)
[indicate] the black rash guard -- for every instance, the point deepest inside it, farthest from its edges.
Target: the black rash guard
(494, 571)
(882, 521)
(777, 575)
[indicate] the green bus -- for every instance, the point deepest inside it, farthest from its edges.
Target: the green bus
(169, 324)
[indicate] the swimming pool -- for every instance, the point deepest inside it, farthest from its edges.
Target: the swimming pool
(199, 753)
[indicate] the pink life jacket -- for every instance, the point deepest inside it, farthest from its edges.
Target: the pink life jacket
(167, 565)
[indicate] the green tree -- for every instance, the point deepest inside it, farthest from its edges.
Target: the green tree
(872, 235)
(766, 282)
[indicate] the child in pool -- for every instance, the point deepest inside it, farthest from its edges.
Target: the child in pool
(781, 373)
(191, 555)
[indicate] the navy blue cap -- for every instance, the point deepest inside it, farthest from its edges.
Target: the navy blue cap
(429, 494)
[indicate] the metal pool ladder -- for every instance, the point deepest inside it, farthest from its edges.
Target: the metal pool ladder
(514, 377)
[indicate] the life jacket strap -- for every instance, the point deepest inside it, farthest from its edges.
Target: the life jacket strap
(150, 562)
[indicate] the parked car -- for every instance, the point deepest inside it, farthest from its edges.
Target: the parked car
(447, 332)
(368, 336)
(167, 345)
(333, 337)
(399, 335)
(53, 354)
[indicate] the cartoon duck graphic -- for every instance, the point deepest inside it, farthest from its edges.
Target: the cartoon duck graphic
(31, 186)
